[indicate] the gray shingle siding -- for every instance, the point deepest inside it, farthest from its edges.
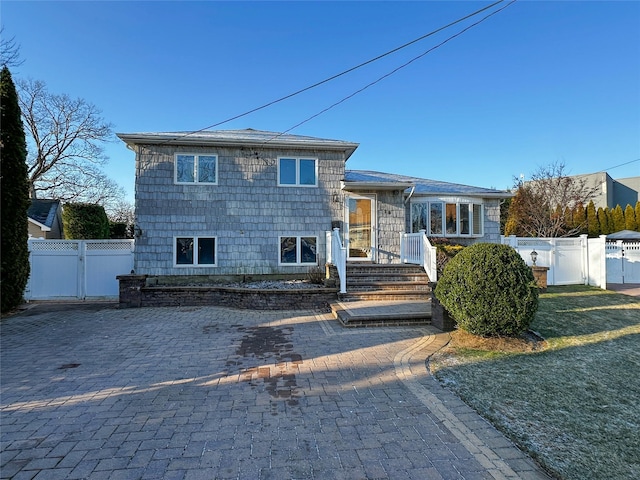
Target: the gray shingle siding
(247, 212)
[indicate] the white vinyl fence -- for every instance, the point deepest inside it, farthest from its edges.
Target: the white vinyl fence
(623, 262)
(582, 260)
(77, 269)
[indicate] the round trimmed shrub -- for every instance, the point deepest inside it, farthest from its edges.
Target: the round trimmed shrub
(489, 290)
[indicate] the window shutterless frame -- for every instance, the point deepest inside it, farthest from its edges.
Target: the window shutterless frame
(195, 251)
(297, 250)
(194, 168)
(297, 172)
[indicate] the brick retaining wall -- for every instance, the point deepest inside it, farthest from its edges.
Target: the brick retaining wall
(134, 292)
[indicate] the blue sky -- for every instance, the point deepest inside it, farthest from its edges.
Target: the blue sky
(537, 83)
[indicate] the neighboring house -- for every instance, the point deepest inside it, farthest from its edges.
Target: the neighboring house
(253, 202)
(45, 219)
(612, 192)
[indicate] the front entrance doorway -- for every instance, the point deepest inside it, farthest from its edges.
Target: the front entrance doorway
(360, 227)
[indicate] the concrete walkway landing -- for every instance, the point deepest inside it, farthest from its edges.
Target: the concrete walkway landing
(190, 393)
(368, 313)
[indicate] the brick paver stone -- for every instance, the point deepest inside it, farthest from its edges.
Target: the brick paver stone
(94, 391)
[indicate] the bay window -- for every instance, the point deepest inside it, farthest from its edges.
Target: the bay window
(447, 218)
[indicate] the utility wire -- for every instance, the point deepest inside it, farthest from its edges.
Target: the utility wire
(394, 71)
(622, 164)
(345, 72)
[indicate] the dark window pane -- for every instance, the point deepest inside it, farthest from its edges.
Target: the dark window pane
(184, 251)
(464, 219)
(206, 251)
(308, 249)
(288, 251)
(418, 217)
(436, 218)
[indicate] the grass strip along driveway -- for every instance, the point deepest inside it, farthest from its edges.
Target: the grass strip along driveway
(573, 401)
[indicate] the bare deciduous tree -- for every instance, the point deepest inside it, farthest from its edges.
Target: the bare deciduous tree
(121, 211)
(9, 51)
(539, 207)
(65, 144)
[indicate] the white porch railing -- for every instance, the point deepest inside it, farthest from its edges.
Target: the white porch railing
(415, 248)
(337, 256)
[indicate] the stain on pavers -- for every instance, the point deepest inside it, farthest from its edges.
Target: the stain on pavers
(210, 392)
(272, 345)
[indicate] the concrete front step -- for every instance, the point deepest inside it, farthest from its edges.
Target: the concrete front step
(380, 285)
(387, 277)
(382, 313)
(385, 295)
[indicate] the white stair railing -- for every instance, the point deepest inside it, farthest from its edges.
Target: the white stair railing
(337, 256)
(416, 249)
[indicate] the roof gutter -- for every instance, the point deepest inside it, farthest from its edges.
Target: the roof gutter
(143, 139)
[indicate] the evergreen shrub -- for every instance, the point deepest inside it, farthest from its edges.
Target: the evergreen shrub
(83, 221)
(489, 290)
(14, 186)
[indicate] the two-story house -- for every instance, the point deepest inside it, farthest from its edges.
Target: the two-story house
(247, 202)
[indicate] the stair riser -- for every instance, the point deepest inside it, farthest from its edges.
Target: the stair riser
(383, 297)
(386, 271)
(390, 279)
(377, 287)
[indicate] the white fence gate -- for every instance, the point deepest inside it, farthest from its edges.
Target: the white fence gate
(77, 269)
(623, 262)
(582, 260)
(567, 258)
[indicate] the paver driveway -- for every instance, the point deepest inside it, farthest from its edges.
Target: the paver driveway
(210, 393)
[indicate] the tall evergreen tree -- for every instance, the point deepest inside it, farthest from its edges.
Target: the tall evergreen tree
(630, 221)
(593, 226)
(603, 221)
(15, 196)
(579, 218)
(618, 219)
(637, 209)
(610, 222)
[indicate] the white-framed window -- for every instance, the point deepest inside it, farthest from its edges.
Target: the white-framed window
(194, 168)
(193, 251)
(298, 250)
(297, 172)
(447, 218)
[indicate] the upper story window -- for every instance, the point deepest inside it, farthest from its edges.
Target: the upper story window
(191, 168)
(447, 219)
(298, 172)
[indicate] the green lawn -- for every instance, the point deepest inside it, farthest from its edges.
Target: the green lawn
(574, 405)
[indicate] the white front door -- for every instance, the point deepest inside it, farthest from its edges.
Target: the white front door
(360, 221)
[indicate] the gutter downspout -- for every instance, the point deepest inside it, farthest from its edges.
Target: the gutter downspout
(410, 194)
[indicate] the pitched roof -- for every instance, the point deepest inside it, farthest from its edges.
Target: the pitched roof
(247, 137)
(43, 211)
(624, 235)
(420, 186)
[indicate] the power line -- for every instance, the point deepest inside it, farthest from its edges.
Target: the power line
(345, 72)
(393, 71)
(622, 164)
